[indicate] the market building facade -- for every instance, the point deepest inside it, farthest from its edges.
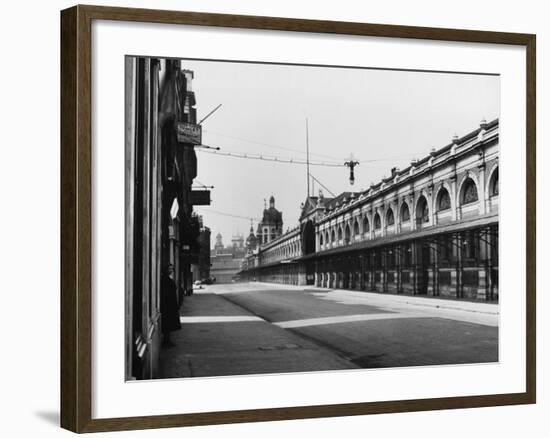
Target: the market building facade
(430, 229)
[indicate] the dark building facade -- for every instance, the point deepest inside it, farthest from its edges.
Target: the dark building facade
(430, 229)
(161, 229)
(201, 262)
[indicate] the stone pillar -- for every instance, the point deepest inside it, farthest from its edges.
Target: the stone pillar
(302, 278)
(361, 272)
(398, 257)
(458, 275)
(372, 272)
(430, 199)
(384, 271)
(412, 211)
(482, 284)
(454, 199)
(383, 222)
(481, 189)
(371, 226)
(430, 289)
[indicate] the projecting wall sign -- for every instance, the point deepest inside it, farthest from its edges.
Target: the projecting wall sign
(189, 133)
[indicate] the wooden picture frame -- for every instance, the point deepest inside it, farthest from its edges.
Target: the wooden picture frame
(76, 217)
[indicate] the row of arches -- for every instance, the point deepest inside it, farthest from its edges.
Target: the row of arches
(290, 249)
(363, 226)
(468, 195)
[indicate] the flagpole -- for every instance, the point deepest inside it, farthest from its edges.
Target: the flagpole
(307, 155)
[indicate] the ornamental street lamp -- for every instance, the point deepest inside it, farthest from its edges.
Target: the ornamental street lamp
(351, 164)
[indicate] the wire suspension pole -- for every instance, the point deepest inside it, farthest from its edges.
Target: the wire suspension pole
(323, 186)
(307, 156)
(209, 114)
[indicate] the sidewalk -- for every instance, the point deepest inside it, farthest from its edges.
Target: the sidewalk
(219, 338)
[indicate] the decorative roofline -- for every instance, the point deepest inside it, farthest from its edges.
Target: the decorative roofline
(286, 235)
(439, 158)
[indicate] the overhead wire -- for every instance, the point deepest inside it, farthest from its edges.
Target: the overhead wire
(271, 158)
(402, 157)
(288, 160)
(237, 216)
(272, 145)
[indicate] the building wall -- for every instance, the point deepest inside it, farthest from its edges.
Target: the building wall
(159, 174)
(224, 267)
(143, 220)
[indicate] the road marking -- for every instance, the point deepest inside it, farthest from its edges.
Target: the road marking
(473, 313)
(206, 319)
(342, 319)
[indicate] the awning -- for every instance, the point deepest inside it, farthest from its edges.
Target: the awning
(463, 225)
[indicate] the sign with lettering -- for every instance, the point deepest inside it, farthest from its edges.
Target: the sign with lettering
(200, 197)
(189, 133)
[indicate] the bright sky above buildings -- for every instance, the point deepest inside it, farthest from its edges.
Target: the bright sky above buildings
(384, 117)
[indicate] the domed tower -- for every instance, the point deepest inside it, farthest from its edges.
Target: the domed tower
(218, 247)
(271, 225)
(237, 241)
(251, 240)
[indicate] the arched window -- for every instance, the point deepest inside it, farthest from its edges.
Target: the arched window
(321, 239)
(348, 234)
(377, 222)
(405, 213)
(469, 192)
(422, 211)
(366, 227)
(332, 236)
(389, 218)
(327, 237)
(356, 228)
(493, 185)
(443, 200)
(339, 233)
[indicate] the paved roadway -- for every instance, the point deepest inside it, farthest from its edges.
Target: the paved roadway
(264, 328)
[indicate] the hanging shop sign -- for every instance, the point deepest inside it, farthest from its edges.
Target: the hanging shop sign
(200, 197)
(189, 133)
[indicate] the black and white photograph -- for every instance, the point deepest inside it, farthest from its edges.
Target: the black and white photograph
(292, 218)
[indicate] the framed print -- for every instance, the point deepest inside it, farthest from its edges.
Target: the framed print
(269, 218)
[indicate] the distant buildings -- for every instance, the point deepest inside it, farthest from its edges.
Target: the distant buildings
(236, 249)
(226, 261)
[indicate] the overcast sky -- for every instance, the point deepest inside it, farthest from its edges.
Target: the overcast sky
(386, 116)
